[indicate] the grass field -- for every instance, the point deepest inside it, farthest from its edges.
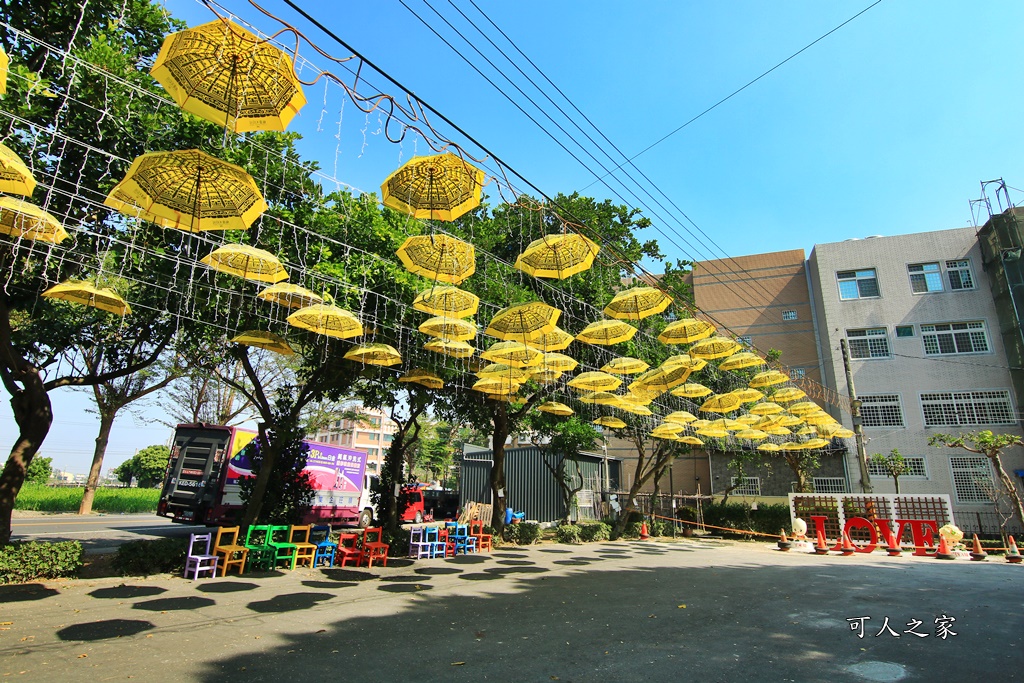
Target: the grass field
(67, 499)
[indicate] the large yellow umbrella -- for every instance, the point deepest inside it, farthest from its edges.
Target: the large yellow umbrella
(751, 434)
(455, 329)
(818, 418)
(680, 417)
(523, 322)
(558, 361)
(289, 295)
(558, 256)
(496, 385)
(88, 294)
(788, 394)
(811, 444)
(766, 408)
(789, 421)
(513, 353)
(595, 381)
(27, 221)
(721, 403)
(712, 432)
(768, 378)
(607, 332)
(695, 364)
(610, 422)
(5, 63)
(555, 408)
(439, 257)
(601, 398)
(545, 376)
(449, 301)
(670, 427)
(728, 424)
(15, 178)
(555, 340)
(714, 347)
(503, 370)
(455, 349)
(804, 408)
(440, 187)
(747, 395)
(739, 361)
(686, 331)
(264, 340)
(692, 440)
(768, 447)
(328, 320)
(637, 303)
(246, 262)
(188, 190)
(642, 395)
(631, 407)
(225, 74)
(624, 365)
(749, 419)
(423, 378)
(662, 378)
(843, 433)
(374, 354)
(691, 390)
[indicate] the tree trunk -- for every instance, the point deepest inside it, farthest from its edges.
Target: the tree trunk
(393, 463)
(270, 452)
(498, 469)
(34, 415)
(896, 481)
(1011, 490)
(798, 472)
(106, 423)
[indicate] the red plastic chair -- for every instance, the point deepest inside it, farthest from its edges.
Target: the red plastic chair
(476, 530)
(349, 548)
(373, 547)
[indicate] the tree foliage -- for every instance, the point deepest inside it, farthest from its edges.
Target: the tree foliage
(894, 464)
(39, 471)
(147, 467)
(991, 446)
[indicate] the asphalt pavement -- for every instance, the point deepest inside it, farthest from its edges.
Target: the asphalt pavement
(99, 533)
(623, 611)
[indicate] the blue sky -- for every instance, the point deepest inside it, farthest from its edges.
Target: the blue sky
(884, 127)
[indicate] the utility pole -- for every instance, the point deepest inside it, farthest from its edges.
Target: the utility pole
(858, 429)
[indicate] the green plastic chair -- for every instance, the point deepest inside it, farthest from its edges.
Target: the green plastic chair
(262, 555)
(277, 538)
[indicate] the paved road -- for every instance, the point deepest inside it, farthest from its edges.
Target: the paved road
(623, 611)
(97, 533)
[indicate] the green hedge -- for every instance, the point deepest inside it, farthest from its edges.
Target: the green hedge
(42, 498)
(139, 558)
(32, 560)
(766, 519)
(524, 533)
(595, 532)
(568, 533)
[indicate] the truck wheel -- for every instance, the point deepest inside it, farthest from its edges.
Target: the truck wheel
(365, 519)
(419, 517)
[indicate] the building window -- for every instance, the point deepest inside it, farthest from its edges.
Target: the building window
(372, 452)
(746, 340)
(948, 338)
(334, 438)
(904, 330)
(959, 274)
(373, 436)
(751, 486)
(388, 438)
(972, 479)
(882, 410)
(925, 278)
(915, 468)
(789, 315)
(829, 485)
(869, 343)
(967, 408)
(858, 284)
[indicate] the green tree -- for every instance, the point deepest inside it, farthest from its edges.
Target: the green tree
(40, 471)
(991, 446)
(894, 465)
(147, 467)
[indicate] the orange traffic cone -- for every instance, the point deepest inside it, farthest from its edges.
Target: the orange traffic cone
(943, 552)
(1012, 554)
(784, 543)
(821, 548)
(893, 548)
(847, 548)
(643, 531)
(978, 555)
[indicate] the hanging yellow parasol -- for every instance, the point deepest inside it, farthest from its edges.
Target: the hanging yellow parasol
(15, 178)
(448, 301)
(374, 354)
(699, 424)
(804, 408)
(610, 422)
(503, 370)
(662, 378)
(811, 444)
(665, 436)
(788, 394)
(455, 349)
(27, 221)
(695, 364)
(768, 447)
(843, 433)
(440, 187)
(555, 340)
(670, 427)
(513, 353)
(455, 329)
(544, 376)
(744, 359)
(818, 418)
(495, 385)
(768, 378)
(691, 390)
(558, 256)
(806, 431)
(751, 434)
(438, 257)
(680, 417)
(789, 421)
(595, 381)
(188, 190)
(631, 407)
(624, 365)
(5, 63)
(289, 295)
(637, 303)
(423, 378)
(767, 408)
(88, 294)
(642, 396)
(747, 395)
(601, 398)
(264, 340)
(727, 424)
(607, 332)
(223, 73)
(714, 347)
(749, 419)
(692, 440)
(523, 322)
(712, 432)
(721, 403)
(555, 408)
(247, 262)
(558, 361)
(327, 320)
(686, 331)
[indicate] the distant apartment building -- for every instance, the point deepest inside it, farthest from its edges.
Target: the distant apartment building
(371, 433)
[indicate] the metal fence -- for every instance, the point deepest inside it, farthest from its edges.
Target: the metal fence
(985, 524)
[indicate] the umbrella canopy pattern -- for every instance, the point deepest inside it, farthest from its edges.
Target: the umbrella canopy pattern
(804, 408)
(727, 424)
(555, 408)
(744, 359)
(631, 407)
(423, 378)
(768, 447)
(686, 331)
(188, 190)
(595, 381)
(455, 329)
(440, 187)
(496, 385)
(263, 340)
(15, 178)
(88, 294)
(748, 395)
(714, 347)
(680, 417)
(438, 257)
(721, 403)
(328, 320)
(513, 353)
(223, 73)
(749, 419)
(767, 378)
(448, 301)
(289, 296)
(695, 364)
(27, 221)
(558, 256)
(558, 361)
(766, 408)
(751, 434)
(555, 340)
(788, 394)
(712, 432)
(610, 421)
(607, 332)
(523, 322)
(455, 349)
(247, 262)
(624, 365)
(691, 390)
(601, 398)
(669, 427)
(544, 376)
(374, 354)
(502, 370)
(637, 303)
(815, 443)
(692, 440)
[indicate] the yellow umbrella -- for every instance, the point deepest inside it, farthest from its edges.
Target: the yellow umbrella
(595, 381)
(766, 408)
(843, 433)
(818, 418)
(727, 424)
(768, 447)
(289, 295)
(815, 443)
(422, 377)
(665, 436)
(440, 187)
(670, 427)
(455, 329)
(264, 340)
(555, 408)
(448, 301)
(502, 370)
(624, 366)
(374, 354)
(662, 378)
(804, 408)
(788, 394)
(744, 359)
(699, 424)
(749, 419)
(685, 331)
(15, 178)
(607, 332)
(695, 364)
(791, 446)
(544, 376)
(747, 395)
(246, 262)
(611, 422)
(558, 361)
(188, 190)
(603, 398)
(712, 432)
(5, 63)
(777, 431)
(88, 294)
(680, 417)
(495, 385)
(225, 74)
(455, 349)
(558, 256)
(438, 257)
(751, 434)
(692, 390)
(641, 396)
(555, 340)
(806, 431)
(637, 303)
(631, 407)
(327, 320)
(768, 378)
(714, 347)
(721, 403)
(27, 221)
(789, 421)
(523, 322)
(513, 353)
(692, 440)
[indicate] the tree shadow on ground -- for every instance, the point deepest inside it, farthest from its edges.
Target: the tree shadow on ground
(466, 559)
(103, 630)
(479, 576)
(576, 562)
(227, 587)
(516, 562)
(170, 604)
(438, 571)
(508, 554)
(26, 592)
(342, 574)
(329, 584)
(405, 587)
(400, 562)
(552, 550)
(289, 602)
(405, 578)
(127, 592)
